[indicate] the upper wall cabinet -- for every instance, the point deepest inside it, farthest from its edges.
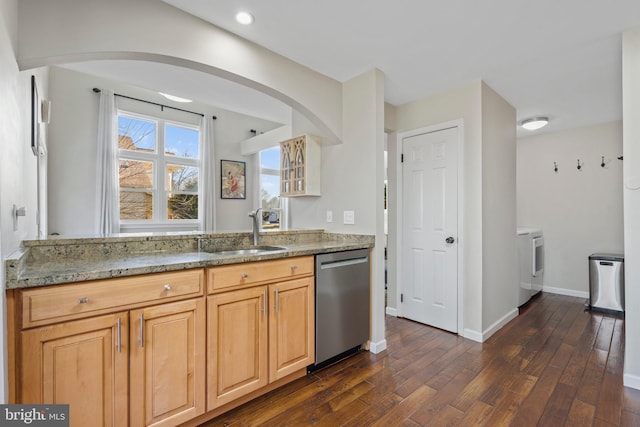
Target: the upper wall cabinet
(300, 166)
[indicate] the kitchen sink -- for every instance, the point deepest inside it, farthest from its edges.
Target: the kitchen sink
(253, 250)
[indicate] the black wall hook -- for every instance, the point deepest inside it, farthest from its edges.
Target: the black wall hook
(603, 163)
(580, 165)
(555, 167)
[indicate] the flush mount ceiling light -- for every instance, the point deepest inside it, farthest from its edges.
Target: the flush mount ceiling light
(174, 98)
(245, 18)
(534, 123)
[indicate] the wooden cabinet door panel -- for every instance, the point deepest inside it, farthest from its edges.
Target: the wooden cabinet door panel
(81, 364)
(291, 327)
(167, 363)
(237, 344)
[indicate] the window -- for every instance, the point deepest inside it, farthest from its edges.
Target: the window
(274, 207)
(158, 174)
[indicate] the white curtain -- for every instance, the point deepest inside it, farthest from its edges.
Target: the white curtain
(107, 186)
(208, 181)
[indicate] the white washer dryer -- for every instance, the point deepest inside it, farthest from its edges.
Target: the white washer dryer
(530, 263)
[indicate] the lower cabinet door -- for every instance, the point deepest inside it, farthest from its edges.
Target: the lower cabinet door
(167, 371)
(291, 327)
(237, 344)
(82, 363)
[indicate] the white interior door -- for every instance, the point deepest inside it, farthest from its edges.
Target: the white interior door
(429, 289)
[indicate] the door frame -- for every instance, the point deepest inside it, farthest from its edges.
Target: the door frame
(458, 123)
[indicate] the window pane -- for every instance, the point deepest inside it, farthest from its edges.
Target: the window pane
(182, 206)
(136, 134)
(136, 205)
(270, 159)
(269, 191)
(182, 142)
(182, 178)
(135, 174)
(270, 219)
(270, 187)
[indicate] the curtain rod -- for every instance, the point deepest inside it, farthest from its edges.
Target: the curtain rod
(162, 106)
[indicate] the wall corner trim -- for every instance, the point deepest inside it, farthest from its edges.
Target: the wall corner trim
(378, 347)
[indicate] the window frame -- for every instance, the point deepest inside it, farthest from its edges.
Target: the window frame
(160, 193)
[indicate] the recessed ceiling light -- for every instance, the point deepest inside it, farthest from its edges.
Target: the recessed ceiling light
(534, 123)
(174, 98)
(245, 18)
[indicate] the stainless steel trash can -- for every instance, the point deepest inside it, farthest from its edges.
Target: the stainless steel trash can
(606, 282)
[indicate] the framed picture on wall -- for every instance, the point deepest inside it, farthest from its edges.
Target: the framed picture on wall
(35, 116)
(232, 179)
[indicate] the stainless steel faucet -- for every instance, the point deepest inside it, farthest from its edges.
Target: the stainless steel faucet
(255, 216)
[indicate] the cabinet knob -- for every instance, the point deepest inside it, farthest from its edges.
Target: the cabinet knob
(294, 267)
(167, 287)
(244, 275)
(83, 300)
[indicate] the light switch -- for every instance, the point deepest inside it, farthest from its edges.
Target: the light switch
(329, 216)
(349, 217)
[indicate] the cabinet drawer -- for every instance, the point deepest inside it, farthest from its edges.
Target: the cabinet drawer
(253, 273)
(65, 302)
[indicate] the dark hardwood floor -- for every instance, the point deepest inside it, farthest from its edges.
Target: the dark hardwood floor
(554, 365)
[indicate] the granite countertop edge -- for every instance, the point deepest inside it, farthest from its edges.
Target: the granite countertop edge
(24, 273)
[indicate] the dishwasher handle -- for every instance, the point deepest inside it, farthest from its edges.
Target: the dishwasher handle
(343, 263)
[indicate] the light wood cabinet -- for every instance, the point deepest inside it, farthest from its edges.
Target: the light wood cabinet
(300, 166)
(167, 363)
(235, 276)
(291, 327)
(237, 344)
(153, 350)
(140, 366)
(82, 363)
(260, 334)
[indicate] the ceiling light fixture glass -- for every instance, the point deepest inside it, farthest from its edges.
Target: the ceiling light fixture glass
(174, 98)
(245, 18)
(534, 123)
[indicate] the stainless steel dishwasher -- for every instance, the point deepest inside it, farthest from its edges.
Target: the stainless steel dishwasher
(342, 304)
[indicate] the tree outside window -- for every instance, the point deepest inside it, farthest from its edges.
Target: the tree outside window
(159, 168)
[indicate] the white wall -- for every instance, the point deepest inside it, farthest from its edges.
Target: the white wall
(17, 163)
(72, 149)
(631, 180)
(580, 212)
(499, 244)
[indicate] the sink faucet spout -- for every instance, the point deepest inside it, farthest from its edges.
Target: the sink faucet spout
(255, 216)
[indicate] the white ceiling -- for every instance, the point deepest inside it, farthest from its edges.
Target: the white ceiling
(560, 58)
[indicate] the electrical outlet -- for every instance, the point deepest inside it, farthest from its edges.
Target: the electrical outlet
(329, 216)
(349, 217)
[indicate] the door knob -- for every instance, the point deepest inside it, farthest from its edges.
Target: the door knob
(450, 240)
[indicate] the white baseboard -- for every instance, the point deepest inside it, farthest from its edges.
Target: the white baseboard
(472, 335)
(499, 324)
(567, 292)
(391, 311)
(377, 347)
(482, 337)
(632, 381)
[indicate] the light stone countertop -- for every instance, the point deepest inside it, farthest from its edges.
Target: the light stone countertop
(63, 260)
